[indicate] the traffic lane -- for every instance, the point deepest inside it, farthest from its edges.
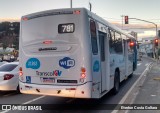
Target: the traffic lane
(124, 85)
(149, 91)
(107, 99)
(141, 65)
(13, 97)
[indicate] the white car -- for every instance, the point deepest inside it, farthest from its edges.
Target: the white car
(9, 76)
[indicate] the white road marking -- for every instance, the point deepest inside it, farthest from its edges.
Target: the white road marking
(33, 100)
(146, 64)
(28, 102)
(129, 91)
(139, 64)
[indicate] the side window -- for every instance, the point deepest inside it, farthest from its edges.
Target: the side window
(111, 41)
(118, 43)
(102, 44)
(124, 42)
(93, 37)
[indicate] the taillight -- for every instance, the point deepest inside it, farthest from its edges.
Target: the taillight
(25, 18)
(77, 12)
(83, 74)
(8, 76)
(20, 71)
(83, 69)
(47, 42)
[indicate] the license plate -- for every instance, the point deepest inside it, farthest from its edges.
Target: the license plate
(48, 80)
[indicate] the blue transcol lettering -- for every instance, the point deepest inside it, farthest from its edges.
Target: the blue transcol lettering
(59, 73)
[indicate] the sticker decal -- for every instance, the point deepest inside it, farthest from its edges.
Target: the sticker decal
(28, 79)
(96, 66)
(49, 74)
(67, 62)
(33, 63)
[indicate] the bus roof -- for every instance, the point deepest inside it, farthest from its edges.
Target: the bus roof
(70, 11)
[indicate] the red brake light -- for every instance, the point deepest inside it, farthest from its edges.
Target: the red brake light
(83, 75)
(156, 42)
(131, 43)
(47, 42)
(24, 18)
(77, 12)
(83, 69)
(20, 71)
(8, 76)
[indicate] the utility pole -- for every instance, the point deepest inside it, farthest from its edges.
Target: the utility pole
(147, 22)
(122, 21)
(71, 3)
(90, 6)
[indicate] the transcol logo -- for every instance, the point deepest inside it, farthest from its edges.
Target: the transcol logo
(33, 63)
(67, 62)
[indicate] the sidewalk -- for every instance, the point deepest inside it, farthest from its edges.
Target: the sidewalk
(149, 92)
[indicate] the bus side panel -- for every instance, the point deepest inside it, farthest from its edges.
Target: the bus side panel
(130, 59)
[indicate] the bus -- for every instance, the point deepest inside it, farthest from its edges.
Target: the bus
(72, 53)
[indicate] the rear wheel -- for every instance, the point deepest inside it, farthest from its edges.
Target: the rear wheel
(131, 75)
(116, 83)
(18, 90)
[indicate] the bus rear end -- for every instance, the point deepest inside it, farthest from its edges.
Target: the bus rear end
(54, 56)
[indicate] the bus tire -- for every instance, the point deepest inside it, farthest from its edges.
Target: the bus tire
(18, 89)
(116, 83)
(131, 75)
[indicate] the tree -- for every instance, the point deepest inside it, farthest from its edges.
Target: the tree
(5, 44)
(16, 43)
(9, 33)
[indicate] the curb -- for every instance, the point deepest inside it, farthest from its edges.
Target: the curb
(135, 88)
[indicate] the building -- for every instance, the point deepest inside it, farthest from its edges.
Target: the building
(146, 47)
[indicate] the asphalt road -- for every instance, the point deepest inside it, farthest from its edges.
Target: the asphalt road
(15, 98)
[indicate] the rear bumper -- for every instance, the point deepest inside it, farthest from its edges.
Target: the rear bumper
(79, 91)
(8, 85)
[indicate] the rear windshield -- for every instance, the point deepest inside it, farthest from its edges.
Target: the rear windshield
(8, 67)
(47, 28)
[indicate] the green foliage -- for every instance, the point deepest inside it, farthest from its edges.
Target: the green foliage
(9, 33)
(16, 43)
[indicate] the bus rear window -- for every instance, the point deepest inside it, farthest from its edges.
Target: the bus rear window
(93, 37)
(66, 28)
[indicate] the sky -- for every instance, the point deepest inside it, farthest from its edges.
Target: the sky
(111, 10)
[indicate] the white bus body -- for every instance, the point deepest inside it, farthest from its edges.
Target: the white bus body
(72, 53)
